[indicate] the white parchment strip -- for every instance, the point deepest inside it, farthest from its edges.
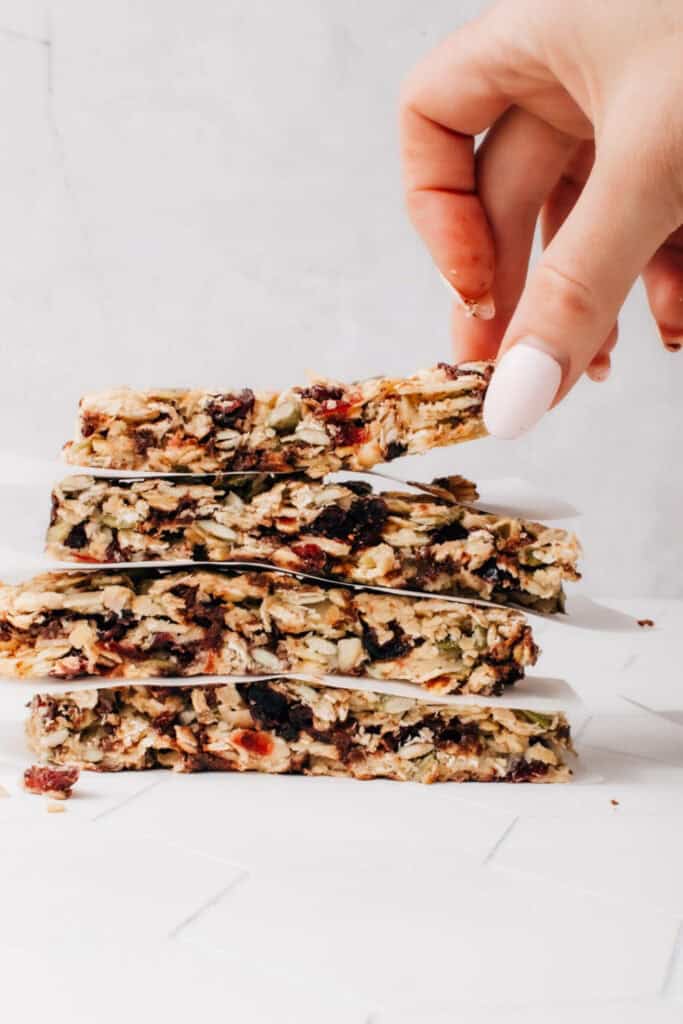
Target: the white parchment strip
(582, 611)
(533, 693)
(510, 496)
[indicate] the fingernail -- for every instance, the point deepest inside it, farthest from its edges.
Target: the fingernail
(599, 372)
(483, 308)
(672, 339)
(522, 389)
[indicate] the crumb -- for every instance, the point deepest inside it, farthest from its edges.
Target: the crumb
(53, 782)
(3, 792)
(614, 803)
(646, 623)
(55, 807)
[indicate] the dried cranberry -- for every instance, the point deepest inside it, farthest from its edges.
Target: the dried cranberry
(452, 531)
(322, 393)
(350, 433)
(396, 647)
(226, 409)
(41, 779)
(332, 522)
(143, 440)
(335, 411)
(451, 371)
(164, 721)
(258, 743)
(76, 537)
(524, 771)
(369, 516)
(210, 615)
(312, 557)
(362, 524)
(90, 423)
(53, 510)
(111, 627)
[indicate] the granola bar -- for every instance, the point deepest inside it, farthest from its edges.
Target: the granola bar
(399, 539)
(321, 428)
(150, 623)
(287, 726)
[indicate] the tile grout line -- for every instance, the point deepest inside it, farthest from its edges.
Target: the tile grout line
(584, 725)
(670, 972)
(212, 901)
(499, 842)
(23, 37)
(649, 711)
(128, 800)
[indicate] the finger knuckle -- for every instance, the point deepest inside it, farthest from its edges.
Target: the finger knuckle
(566, 295)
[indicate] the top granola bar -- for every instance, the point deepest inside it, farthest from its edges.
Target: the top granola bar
(317, 429)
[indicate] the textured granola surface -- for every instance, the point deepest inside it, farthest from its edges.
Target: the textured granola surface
(287, 726)
(320, 428)
(150, 623)
(396, 539)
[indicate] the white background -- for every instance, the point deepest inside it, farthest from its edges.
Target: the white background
(209, 193)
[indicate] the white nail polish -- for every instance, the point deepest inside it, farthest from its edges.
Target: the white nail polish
(522, 389)
(483, 308)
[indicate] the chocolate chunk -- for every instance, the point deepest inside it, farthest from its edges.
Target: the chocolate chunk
(492, 572)
(452, 531)
(396, 647)
(361, 524)
(226, 409)
(395, 450)
(76, 537)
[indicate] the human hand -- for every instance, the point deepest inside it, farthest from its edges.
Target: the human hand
(583, 105)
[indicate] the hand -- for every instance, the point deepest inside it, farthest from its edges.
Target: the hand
(582, 102)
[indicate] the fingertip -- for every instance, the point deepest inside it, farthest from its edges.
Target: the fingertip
(672, 337)
(599, 370)
(474, 339)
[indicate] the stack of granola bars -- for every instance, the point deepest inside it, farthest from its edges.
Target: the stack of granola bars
(233, 559)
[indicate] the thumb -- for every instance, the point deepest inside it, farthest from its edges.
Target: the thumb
(572, 299)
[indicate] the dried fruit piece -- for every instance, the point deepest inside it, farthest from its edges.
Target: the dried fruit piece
(48, 781)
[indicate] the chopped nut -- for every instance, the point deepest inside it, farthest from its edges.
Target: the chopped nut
(54, 807)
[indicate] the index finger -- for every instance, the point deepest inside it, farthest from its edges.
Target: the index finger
(447, 100)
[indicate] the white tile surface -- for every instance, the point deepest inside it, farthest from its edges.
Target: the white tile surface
(67, 884)
(437, 932)
(638, 1011)
(258, 819)
(160, 981)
